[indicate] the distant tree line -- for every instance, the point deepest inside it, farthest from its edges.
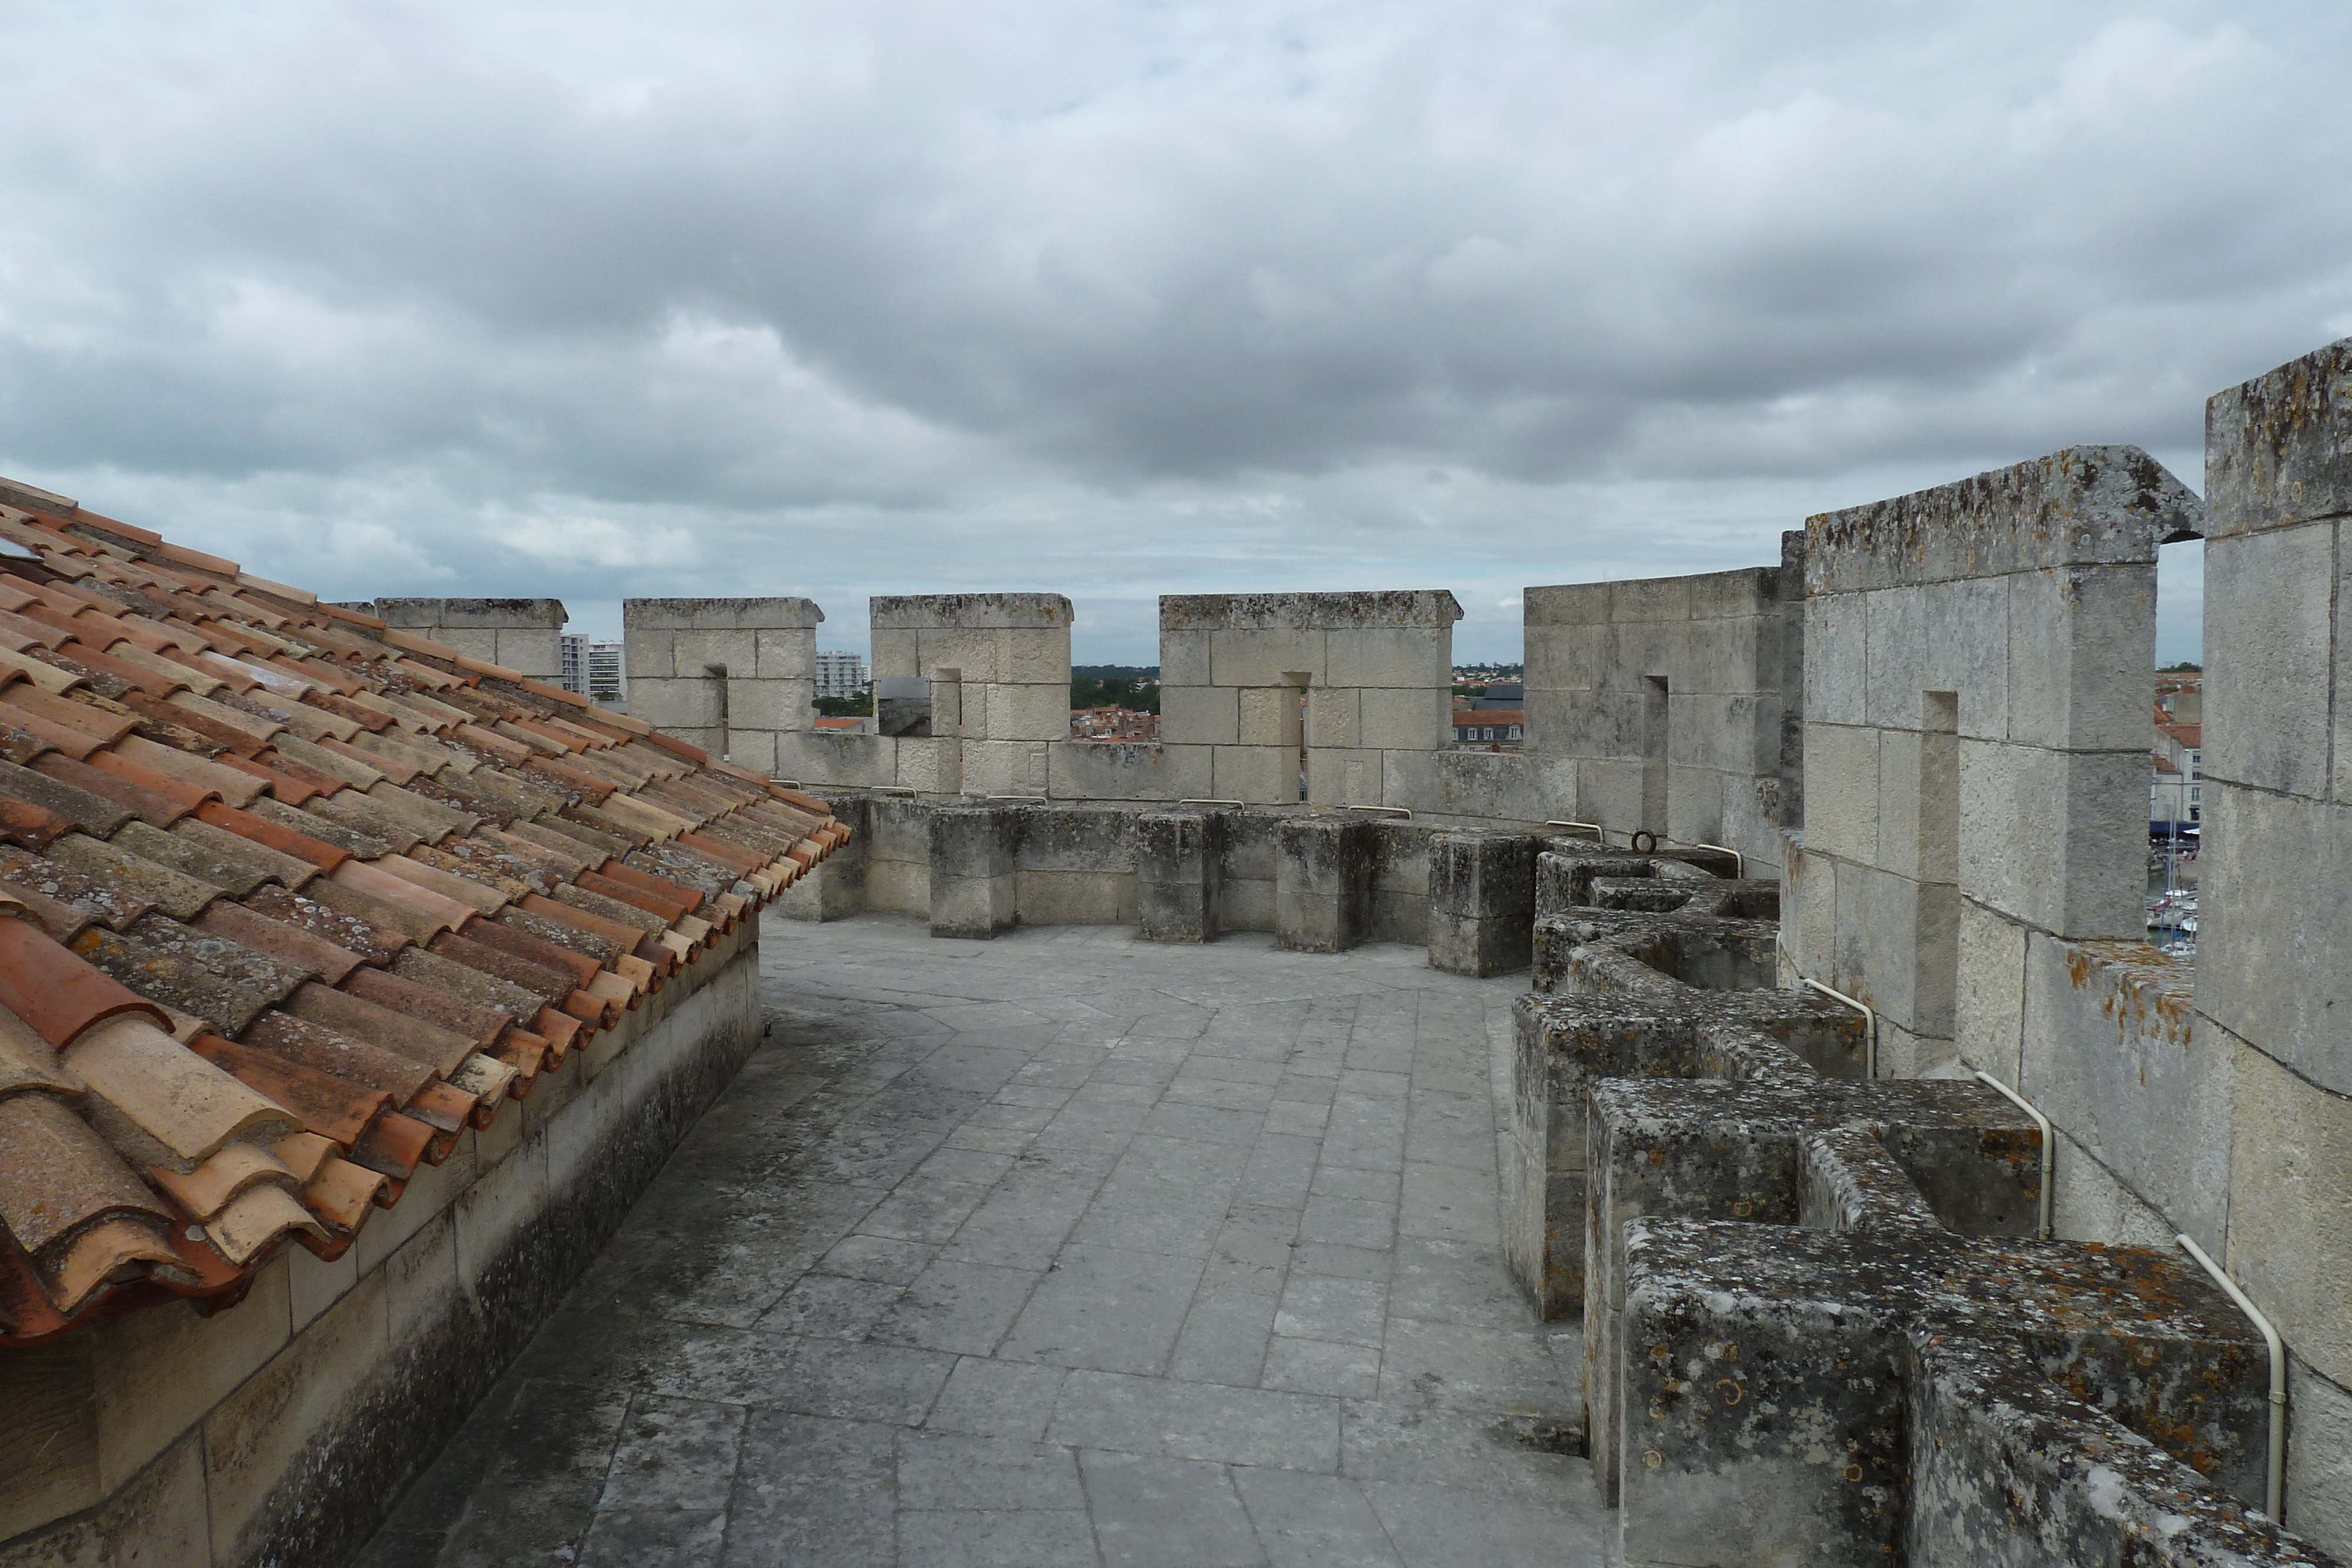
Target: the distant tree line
(1132, 686)
(858, 707)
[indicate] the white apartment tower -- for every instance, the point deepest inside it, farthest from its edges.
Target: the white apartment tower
(840, 675)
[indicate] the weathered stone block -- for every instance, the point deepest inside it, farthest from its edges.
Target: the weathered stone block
(699, 653)
(2081, 642)
(1074, 898)
(753, 748)
(1842, 791)
(719, 614)
(972, 906)
(1322, 883)
(1260, 775)
(479, 613)
(1509, 786)
(2080, 507)
(774, 705)
(645, 652)
(1270, 716)
(535, 651)
(1570, 657)
(2054, 838)
(1837, 660)
(2318, 1458)
(1988, 1025)
(1199, 716)
(1127, 771)
(1334, 717)
(786, 656)
(1029, 712)
(2110, 1055)
(894, 652)
(1183, 659)
(1394, 656)
(973, 841)
(827, 756)
(674, 702)
(1418, 719)
(924, 611)
(2290, 1227)
(2270, 599)
(2274, 449)
(1035, 656)
(1567, 604)
(1481, 902)
(1263, 657)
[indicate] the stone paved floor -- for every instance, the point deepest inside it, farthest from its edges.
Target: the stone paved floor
(1060, 1248)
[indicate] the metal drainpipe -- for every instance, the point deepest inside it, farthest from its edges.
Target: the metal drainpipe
(1870, 1030)
(2274, 1479)
(2048, 1141)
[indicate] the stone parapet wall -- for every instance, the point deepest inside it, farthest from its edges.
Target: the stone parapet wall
(1321, 881)
(280, 1431)
(1665, 696)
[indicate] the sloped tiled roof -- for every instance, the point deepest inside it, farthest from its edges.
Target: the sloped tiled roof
(289, 899)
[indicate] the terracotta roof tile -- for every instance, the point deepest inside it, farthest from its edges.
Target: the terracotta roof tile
(409, 882)
(133, 878)
(178, 1099)
(154, 808)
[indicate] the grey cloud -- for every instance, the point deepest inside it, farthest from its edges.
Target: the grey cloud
(1116, 299)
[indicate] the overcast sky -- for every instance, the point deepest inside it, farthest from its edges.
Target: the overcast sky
(1118, 300)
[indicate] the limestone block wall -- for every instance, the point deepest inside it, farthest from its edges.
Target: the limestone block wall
(1665, 696)
(1377, 670)
(281, 1430)
(734, 676)
(1977, 665)
(2273, 991)
(525, 634)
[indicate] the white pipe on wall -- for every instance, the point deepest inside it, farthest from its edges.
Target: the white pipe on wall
(2274, 1479)
(1870, 1022)
(2048, 1140)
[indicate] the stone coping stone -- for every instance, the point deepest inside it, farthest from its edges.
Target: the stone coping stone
(720, 614)
(481, 612)
(1433, 607)
(2275, 448)
(966, 612)
(2082, 506)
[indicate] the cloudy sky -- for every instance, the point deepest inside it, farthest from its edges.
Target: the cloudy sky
(1116, 300)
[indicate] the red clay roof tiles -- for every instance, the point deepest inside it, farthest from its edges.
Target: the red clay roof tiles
(377, 888)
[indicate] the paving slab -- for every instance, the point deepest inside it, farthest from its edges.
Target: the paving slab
(1059, 1249)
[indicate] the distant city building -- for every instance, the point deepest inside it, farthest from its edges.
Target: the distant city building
(1489, 727)
(1112, 723)
(2175, 795)
(608, 674)
(1502, 696)
(840, 675)
(596, 670)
